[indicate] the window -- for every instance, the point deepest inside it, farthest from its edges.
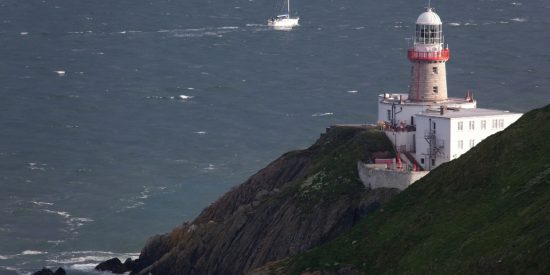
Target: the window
(495, 123)
(412, 120)
(460, 144)
(472, 125)
(483, 124)
(422, 161)
(436, 90)
(434, 70)
(501, 123)
(389, 115)
(472, 143)
(460, 125)
(433, 162)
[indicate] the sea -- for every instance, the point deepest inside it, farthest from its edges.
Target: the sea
(122, 119)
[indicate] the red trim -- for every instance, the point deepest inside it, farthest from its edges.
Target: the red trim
(442, 55)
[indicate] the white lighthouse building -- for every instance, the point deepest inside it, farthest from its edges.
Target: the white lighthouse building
(426, 126)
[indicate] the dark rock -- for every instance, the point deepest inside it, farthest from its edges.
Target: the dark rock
(60, 271)
(114, 265)
(44, 271)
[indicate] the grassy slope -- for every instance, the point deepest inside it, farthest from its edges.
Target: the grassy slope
(333, 172)
(486, 212)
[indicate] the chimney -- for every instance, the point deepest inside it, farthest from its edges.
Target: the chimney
(442, 109)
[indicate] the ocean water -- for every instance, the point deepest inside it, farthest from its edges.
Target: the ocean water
(123, 119)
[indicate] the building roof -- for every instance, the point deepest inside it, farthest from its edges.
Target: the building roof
(428, 18)
(460, 113)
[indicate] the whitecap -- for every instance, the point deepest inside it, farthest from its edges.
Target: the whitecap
(84, 267)
(322, 114)
(210, 167)
(353, 91)
(60, 73)
(454, 24)
(516, 3)
(2, 257)
(229, 28)
(60, 213)
(40, 203)
(190, 88)
(23, 33)
(517, 19)
(185, 97)
(200, 132)
(33, 252)
(37, 166)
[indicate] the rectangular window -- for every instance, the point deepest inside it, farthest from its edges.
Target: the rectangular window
(460, 126)
(436, 90)
(495, 124)
(434, 70)
(422, 161)
(483, 124)
(501, 123)
(472, 125)
(389, 115)
(460, 144)
(433, 162)
(472, 143)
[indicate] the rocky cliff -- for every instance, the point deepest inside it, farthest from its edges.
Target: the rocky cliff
(301, 200)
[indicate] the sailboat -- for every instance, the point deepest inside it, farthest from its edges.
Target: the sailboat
(284, 20)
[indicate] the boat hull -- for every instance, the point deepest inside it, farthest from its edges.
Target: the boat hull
(283, 22)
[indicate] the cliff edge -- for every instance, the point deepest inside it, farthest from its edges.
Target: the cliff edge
(487, 212)
(301, 200)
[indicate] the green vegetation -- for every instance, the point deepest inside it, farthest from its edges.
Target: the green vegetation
(486, 212)
(333, 172)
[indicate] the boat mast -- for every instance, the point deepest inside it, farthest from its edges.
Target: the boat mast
(288, 8)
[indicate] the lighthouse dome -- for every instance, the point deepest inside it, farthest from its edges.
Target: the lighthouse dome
(428, 18)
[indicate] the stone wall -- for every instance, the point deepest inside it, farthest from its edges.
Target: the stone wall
(374, 178)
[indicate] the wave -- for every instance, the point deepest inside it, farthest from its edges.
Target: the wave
(60, 213)
(353, 91)
(517, 19)
(33, 252)
(40, 203)
(322, 114)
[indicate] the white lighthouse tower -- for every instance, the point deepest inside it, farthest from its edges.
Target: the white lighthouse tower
(428, 56)
(426, 125)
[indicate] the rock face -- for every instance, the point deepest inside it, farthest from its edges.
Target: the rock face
(47, 271)
(299, 201)
(116, 266)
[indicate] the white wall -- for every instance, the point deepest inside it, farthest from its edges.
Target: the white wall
(443, 137)
(466, 135)
(407, 111)
(448, 132)
(402, 140)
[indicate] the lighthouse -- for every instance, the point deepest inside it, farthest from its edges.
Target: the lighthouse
(427, 126)
(428, 57)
